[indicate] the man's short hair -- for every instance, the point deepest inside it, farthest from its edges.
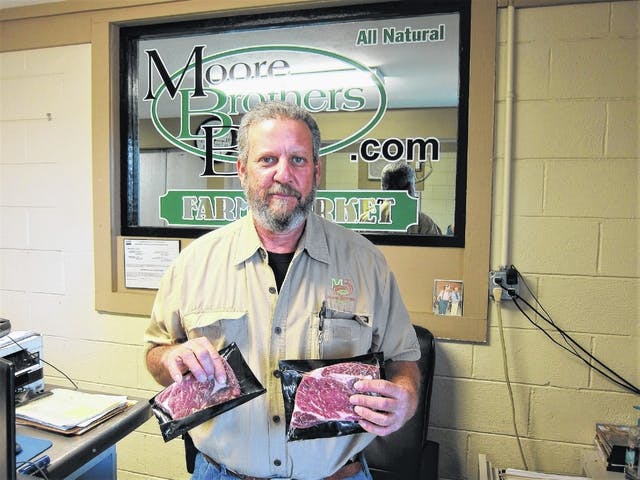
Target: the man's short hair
(276, 109)
(398, 176)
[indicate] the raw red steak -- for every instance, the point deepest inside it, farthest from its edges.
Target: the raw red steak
(323, 394)
(189, 396)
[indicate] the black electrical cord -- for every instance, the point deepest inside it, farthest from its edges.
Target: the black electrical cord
(35, 358)
(572, 346)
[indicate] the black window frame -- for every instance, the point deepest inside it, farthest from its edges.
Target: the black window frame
(129, 36)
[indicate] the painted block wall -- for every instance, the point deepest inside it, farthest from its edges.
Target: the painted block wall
(575, 239)
(46, 243)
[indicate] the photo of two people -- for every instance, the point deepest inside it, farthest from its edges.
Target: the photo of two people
(447, 297)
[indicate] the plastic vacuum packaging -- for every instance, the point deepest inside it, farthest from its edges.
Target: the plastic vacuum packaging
(182, 406)
(316, 394)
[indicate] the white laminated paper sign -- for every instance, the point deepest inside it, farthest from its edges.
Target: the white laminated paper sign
(145, 261)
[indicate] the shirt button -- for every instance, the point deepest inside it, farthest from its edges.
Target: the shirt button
(278, 330)
(277, 462)
(276, 419)
(272, 290)
(276, 373)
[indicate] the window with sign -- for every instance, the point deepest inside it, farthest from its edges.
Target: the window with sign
(387, 84)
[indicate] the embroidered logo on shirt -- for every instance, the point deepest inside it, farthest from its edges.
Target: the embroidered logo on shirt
(341, 287)
(342, 294)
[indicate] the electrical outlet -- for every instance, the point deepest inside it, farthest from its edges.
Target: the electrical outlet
(501, 278)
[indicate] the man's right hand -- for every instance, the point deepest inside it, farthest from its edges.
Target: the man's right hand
(169, 363)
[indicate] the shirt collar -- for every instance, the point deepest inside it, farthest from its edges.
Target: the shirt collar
(313, 240)
(247, 240)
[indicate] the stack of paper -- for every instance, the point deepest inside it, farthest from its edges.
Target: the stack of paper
(515, 474)
(486, 470)
(70, 411)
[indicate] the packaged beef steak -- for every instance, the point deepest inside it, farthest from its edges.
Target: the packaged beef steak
(190, 395)
(182, 406)
(316, 394)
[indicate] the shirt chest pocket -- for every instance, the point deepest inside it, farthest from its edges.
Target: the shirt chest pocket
(345, 334)
(220, 327)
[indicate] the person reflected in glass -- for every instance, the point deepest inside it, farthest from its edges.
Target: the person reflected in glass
(400, 176)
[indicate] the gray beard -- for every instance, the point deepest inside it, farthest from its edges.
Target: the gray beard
(280, 222)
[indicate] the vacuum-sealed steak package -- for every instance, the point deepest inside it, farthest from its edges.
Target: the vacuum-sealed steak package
(190, 395)
(182, 406)
(316, 394)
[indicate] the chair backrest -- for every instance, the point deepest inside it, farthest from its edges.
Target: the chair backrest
(400, 454)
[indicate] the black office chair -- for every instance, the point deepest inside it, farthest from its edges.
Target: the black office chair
(407, 454)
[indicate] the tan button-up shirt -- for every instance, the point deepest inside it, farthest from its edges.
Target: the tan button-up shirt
(222, 287)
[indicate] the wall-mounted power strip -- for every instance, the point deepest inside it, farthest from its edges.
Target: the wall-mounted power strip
(507, 279)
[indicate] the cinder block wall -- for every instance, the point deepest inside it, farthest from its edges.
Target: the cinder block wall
(46, 243)
(575, 239)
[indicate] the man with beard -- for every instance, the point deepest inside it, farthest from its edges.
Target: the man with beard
(283, 283)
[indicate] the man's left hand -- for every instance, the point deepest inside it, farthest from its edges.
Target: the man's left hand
(395, 400)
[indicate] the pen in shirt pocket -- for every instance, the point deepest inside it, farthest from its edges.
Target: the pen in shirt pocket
(321, 315)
